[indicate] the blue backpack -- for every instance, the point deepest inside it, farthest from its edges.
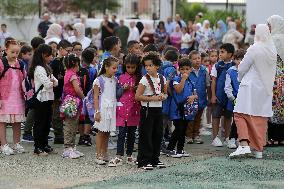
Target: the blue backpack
(88, 102)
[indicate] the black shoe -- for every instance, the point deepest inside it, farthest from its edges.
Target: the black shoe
(159, 165)
(40, 152)
(48, 149)
(81, 140)
(58, 140)
(88, 140)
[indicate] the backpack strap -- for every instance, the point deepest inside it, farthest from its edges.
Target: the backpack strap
(7, 67)
(102, 84)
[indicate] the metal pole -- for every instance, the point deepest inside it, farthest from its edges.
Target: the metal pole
(174, 8)
(39, 8)
(227, 5)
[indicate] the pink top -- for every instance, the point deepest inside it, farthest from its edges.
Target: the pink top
(174, 41)
(128, 109)
(11, 94)
(68, 88)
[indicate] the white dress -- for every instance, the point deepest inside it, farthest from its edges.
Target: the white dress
(107, 103)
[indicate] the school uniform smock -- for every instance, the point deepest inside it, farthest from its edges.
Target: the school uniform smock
(253, 97)
(107, 104)
(128, 109)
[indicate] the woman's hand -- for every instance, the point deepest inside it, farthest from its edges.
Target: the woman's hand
(98, 117)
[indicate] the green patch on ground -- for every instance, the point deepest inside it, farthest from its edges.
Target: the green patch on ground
(216, 172)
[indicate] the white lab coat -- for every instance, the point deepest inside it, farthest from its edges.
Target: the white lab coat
(252, 98)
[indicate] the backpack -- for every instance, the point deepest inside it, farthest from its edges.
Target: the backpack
(7, 67)
(30, 95)
(88, 102)
(187, 111)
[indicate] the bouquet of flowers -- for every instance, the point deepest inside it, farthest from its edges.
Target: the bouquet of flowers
(70, 106)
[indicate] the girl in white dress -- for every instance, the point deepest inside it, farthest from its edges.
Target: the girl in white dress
(105, 105)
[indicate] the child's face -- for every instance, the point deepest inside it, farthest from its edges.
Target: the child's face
(237, 61)
(150, 67)
(206, 61)
(27, 56)
(116, 49)
(224, 55)
(213, 57)
(47, 58)
(135, 49)
(130, 68)
(65, 51)
(185, 69)
(196, 60)
(77, 49)
(13, 51)
(111, 70)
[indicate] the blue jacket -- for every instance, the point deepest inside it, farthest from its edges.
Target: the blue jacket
(199, 83)
(222, 68)
(233, 73)
(181, 98)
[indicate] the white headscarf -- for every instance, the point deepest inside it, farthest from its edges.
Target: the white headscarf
(264, 53)
(80, 28)
(54, 30)
(277, 31)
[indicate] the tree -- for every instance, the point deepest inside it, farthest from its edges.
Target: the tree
(188, 11)
(18, 10)
(91, 5)
(56, 6)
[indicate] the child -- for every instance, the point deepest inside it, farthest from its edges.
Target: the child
(213, 58)
(71, 87)
(12, 104)
(25, 55)
(77, 48)
(58, 70)
(105, 106)
(128, 110)
(182, 93)
(54, 48)
(44, 82)
(231, 90)
(134, 47)
(151, 92)
(201, 81)
(219, 98)
(87, 76)
(205, 61)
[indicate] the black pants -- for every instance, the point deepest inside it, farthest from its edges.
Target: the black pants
(43, 113)
(178, 135)
(130, 131)
(150, 136)
(234, 132)
(275, 131)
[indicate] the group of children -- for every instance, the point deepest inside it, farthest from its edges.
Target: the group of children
(144, 89)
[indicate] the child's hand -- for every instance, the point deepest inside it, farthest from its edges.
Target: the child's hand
(156, 98)
(184, 76)
(126, 86)
(98, 117)
(191, 99)
(214, 100)
(162, 97)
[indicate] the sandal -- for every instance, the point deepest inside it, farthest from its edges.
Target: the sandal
(115, 162)
(190, 141)
(198, 140)
(271, 143)
(131, 160)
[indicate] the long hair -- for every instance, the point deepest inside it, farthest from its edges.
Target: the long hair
(107, 63)
(38, 60)
(133, 60)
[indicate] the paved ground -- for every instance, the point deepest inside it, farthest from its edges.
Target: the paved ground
(208, 167)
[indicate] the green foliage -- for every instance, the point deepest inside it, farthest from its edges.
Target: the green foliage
(188, 11)
(18, 8)
(92, 5)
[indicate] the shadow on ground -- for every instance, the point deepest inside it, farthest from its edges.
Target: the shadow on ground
(215, 172)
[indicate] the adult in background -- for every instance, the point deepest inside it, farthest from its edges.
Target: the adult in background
(250, 35)
(53, 34)
(169, 25)
(220, 32)
(107, 29)
(79, 35)
(122, 32)
(161, 37)
(113, 20)
(134, 34)
(276, 123)
(147, 35)
(254, 100)
(175, 37)
(3, 35)
(44, 25)
(233, 36)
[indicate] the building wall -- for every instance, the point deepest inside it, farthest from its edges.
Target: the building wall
(259, 10)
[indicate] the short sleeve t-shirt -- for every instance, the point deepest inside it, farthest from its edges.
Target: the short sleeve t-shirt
(148, 91)
(214, 71)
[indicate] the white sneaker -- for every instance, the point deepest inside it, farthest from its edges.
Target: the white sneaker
(111, 145)
(226, 141)
(183, 154)
(78, 152)
(232, 143)
(7, 150)
(217, 142)
(70, 153)
(258, 155)
(18, 148)
(241, 150)
(204, 132)
(99, 161)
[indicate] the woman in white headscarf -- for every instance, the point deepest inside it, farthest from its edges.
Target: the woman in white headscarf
(79, 32)
(233, 36)
(53, 34)
(206, 37)
(276, 123)
(254, 100)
